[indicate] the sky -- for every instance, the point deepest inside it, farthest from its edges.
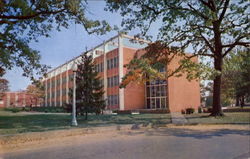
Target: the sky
(68, 43)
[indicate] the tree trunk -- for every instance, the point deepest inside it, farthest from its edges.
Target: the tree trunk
(237, 101)
(217, 111)
(86, 115)
(218, 61)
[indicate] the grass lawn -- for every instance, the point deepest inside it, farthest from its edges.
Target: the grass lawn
(12, 123)
(229, 118)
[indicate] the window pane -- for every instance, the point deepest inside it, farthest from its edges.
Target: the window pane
(148, 92)
(152, 103)
(163, 102)
(157, 91)
(148, 103)
(157, 102)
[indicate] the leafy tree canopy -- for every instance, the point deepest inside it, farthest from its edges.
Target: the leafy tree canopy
(209, 28)
(23, 21)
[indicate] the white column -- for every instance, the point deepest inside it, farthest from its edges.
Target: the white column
(24, 99)
(105, 70)
(67, 83)
(50, 90)
(8, 100)
(55, 99)
(16, 99)
(46, 93)
(121, 90)
(61, 86)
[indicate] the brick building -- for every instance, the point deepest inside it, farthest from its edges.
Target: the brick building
(19, 99)
(110, 57)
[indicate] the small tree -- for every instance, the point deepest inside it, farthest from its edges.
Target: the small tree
(236, 76)
(36, 93)
(89, 90)
(4, 86)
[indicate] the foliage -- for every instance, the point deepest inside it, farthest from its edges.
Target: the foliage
(47, 109)
(89, 90)
(158, 56)
(36, 93)
(208, 28)
(13, 110)
(190, 110)
(235, 76)
(23, 21)
(4, 86)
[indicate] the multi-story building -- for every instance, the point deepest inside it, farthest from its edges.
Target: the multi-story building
(110, 57)
(19, 99)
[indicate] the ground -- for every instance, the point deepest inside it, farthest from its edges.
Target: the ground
(13, 123)
(179, 142)
(25, 135)
(229, 118)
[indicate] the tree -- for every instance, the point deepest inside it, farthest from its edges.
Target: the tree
(89, 90)
(36, 93)
(208, 27)
(4, 86)
(23, 21)
(235, 76)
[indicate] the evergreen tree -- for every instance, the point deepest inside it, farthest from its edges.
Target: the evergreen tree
(89, 90)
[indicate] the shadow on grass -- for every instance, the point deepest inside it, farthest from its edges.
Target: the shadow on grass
(189, 133)
(11, 124)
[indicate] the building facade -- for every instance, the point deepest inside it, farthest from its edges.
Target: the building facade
(19, 99)
(110, 57)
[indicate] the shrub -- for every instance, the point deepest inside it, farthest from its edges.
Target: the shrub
(183, 111)
(200, 110)
(13, 110)
(48, 109)
(189, 110)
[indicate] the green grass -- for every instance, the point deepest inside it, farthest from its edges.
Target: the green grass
(229, 118)
(13, 123)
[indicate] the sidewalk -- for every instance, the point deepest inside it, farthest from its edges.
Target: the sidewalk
(178, 118)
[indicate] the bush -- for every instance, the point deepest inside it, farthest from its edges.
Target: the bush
(189, 110)
(200, 110)
(13, 110)
(183, 111)
(48, 109)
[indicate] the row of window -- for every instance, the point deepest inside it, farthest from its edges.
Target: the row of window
(58, 81)
(113, 100)
(156, 82)
(156, 103)
(58, 93)
(112, 63)
(99, 67)
(113, 81)
(156, 91)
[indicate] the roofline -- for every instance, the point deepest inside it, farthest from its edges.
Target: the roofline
(112, 38)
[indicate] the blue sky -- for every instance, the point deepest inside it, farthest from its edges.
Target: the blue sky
(64, 45)
(68, 43)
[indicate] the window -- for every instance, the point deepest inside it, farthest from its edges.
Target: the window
(156, 94)
(58, 81)
(112, 63)
(113, 100)
(113, 81)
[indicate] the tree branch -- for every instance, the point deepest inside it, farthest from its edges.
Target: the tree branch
(31, 16)
(224, 10)
(237, 42)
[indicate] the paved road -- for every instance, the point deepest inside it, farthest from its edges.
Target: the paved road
(163, 143)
